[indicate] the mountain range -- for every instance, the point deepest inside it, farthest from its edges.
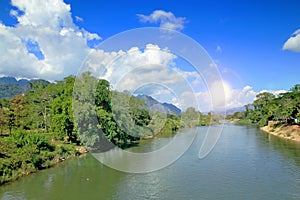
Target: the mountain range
(154, 105)
(10, 86)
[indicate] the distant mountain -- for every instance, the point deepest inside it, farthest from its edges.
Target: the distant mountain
(229, 111)
(10, 90)
(10, 86)
(23, 82)
(234, 110)
(155, 105)
(8, 80)
(172, 107)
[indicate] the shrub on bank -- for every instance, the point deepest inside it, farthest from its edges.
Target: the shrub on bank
(22, 153)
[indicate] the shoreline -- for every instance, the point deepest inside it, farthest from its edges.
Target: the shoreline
(81, 151)
(287, 132)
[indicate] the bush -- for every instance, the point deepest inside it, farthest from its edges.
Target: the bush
(26, 152)
(22, 139)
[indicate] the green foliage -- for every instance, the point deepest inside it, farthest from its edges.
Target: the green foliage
(190, 117)
(3, 118)
(24, 121)
(285, 108)
(23, 152)
(21, 139)
(40, 127)
(171, 126)
(103, 95)
(84, 109)
(244, 122)
(61, 110)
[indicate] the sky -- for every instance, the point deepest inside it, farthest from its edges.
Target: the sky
(254, 44)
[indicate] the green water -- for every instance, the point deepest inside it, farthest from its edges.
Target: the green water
(245, 164)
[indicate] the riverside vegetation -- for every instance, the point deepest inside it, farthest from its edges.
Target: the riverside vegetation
(281, 113)
(38, 129)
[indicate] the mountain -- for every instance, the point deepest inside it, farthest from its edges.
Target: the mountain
(234, 110)
(173, 108)
(155, 105)
(10, 86)
(24, 82)
(13, 81)
(8, 80)
(229, 111)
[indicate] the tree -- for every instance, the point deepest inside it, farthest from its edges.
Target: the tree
(190, 117)
(11, 120)
(264, 108)
(290, 104)
(3, 118)
(295, 88)
(103, 95)
(61, 109)
(84, 109)
(17, 107)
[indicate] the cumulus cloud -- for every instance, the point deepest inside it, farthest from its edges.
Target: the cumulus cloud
(275, 92)
(150, 70)
(49, 26)
(221, 96)
(165, 19)
(154, 71)
(293, 43)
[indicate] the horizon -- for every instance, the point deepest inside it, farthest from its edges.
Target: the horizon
(251, 54)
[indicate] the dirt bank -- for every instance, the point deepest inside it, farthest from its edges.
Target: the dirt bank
(289, 132)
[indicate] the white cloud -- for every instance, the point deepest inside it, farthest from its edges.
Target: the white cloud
(49, 25)
(218, 49)
(275, 92)
(293, 43)
(79, 19)
(150, 70)
(213, 98)
(128, 70)
(165, 19)
(153, 71)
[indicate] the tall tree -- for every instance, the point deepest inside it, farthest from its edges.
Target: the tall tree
(84, 109)
(61, 109)
(3, 118)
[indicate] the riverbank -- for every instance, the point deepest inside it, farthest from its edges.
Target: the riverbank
(288, 132)
(22, 154)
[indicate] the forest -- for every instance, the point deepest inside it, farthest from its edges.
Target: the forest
(51, 121)
(283, 109)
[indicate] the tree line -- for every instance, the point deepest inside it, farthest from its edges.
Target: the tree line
(284, 108)
(48, 122)
(68, 108)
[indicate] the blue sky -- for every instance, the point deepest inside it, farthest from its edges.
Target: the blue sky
(250, 33)
(244, 38)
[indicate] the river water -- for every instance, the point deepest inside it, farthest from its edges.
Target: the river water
(246, 163)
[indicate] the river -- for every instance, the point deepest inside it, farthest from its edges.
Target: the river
(246, 163)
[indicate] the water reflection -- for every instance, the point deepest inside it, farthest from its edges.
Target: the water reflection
(144, 162)
(245, 164)
(82, 178)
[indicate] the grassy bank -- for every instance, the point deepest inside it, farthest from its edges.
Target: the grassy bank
(289, 132)
(242, 121)
(23, 153)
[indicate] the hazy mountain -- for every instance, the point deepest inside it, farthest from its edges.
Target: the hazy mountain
(172, 107)
(233, 110)
(8, 80)
(23, 82)
(155, 105)
(229, 111)
(10, 86)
